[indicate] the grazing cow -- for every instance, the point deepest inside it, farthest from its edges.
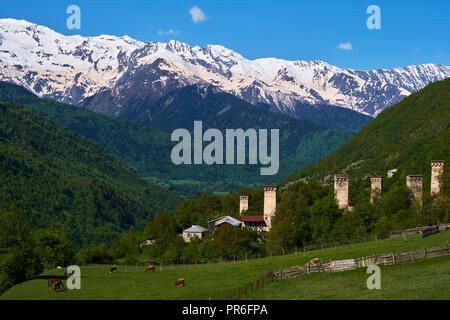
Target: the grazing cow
(150, 268)
(56, 284)
(180, 282)
(314, 261)
(113, 269)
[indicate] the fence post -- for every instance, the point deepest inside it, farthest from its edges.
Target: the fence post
(425, 253)
(307, 268)
(393, 258)
(412, 256)
(172, 265)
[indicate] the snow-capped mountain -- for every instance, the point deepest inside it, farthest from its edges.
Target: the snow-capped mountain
(107, 72)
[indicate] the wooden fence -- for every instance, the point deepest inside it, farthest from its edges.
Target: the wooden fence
(336, 266)
(424, 231)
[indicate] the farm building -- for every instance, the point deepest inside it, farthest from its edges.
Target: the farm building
(194, 231)
(213, 224)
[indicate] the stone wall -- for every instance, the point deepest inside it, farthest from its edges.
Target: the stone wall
(243, 203)
(415, 182)
(437, 168)
(270, 204)
(341, 190)
(376, 185)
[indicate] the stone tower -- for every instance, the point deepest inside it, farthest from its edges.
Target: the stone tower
(270, 204)
(376, 185)
(437, 168)
(243, 203)
(414, 182)
(341, 190)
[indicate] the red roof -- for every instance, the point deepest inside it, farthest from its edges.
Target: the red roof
(253, 219)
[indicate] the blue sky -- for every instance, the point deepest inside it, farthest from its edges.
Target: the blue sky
(412, 32)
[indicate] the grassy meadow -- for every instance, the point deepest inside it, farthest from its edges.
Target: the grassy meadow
(423, 279)
(215, 281)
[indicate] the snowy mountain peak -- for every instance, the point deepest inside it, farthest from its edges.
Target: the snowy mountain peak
(73, 68)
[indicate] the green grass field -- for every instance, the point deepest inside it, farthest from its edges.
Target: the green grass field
(217, 280)
(424, 279)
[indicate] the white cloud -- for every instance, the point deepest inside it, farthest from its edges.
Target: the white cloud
(169, 32)
(345, 46)
(197, 14)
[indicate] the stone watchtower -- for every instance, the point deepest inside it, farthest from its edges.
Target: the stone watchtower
(415, 182)
(376, 185)
(437, 169)
(341, 190)
(270, 204)
(243, 203)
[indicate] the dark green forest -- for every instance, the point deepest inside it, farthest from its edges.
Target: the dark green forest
(64, 181)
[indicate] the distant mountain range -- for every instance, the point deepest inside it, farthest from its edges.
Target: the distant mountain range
(107, 74)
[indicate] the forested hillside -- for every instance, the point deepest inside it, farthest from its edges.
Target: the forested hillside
(64, 181)
(405, 137)
(146, 146)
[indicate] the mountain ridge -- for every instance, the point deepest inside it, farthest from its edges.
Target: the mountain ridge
(73, 68)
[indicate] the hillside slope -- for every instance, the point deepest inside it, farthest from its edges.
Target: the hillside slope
(406, 136)
(62, 180)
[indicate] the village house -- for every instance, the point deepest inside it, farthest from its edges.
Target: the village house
(213, 224)
(256, 223)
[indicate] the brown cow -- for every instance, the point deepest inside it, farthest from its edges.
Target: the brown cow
(57, 284)
(180, 282)
(150, 268)
(51, 282)
(314, 261)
